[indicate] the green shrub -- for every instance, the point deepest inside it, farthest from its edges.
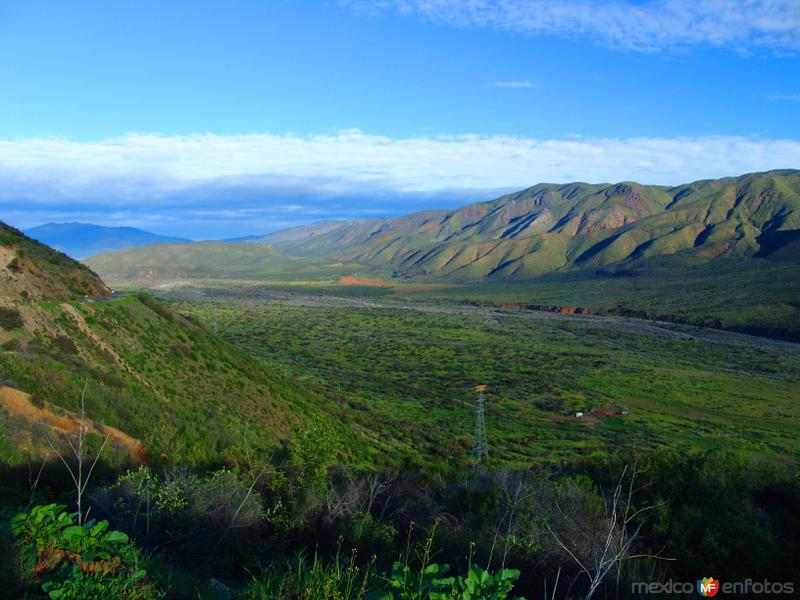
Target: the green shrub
(316, 447)
(10, 318)
(313, 580)
(14, 265)
(77, 561)
(8, 235)
(181, 350)
(210, 515)
(64, 346)
(345, 580)
(432, 583)
(365, 531)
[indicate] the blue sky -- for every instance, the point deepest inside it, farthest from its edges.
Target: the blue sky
(214, 119)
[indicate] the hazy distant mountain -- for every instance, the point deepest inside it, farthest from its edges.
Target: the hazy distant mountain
(81, 240)
(541, 229)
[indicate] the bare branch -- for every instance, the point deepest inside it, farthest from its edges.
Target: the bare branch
(96, 458)
(624, 522)
(69, 469)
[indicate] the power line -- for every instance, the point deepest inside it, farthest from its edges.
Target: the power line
(481, 447)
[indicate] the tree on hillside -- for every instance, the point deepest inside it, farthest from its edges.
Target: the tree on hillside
(316, 447)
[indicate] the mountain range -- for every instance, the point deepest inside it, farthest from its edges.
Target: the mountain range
(82, 240)
(517, 237)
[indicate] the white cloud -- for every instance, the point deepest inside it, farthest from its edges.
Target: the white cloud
(633, 25)
(514, 85)
(788, 97)
(208, 185)
(142, 165)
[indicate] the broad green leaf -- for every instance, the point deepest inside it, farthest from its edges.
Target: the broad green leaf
(115, 537)
(74, 533)
(99, 528)
(512, 574)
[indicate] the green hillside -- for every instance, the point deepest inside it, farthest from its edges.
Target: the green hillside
(32, 271)
(186, 395)
(201, 260)
(550, 227)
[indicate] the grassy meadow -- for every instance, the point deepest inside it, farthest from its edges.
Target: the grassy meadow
(402, 372)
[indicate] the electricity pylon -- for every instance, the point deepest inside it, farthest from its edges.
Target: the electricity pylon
(481, 447)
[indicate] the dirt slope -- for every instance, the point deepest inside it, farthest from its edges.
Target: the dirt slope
(59, 421)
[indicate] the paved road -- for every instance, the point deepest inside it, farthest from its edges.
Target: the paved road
(112, 298)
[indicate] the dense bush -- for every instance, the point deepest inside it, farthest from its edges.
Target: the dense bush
(724, 513)
(705, 512)
(10, 318)
(209, 517)
(313, 579)
(64, 346)
(14, 265)
(316, 447)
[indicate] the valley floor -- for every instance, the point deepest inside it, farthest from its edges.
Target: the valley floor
(401, 373)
